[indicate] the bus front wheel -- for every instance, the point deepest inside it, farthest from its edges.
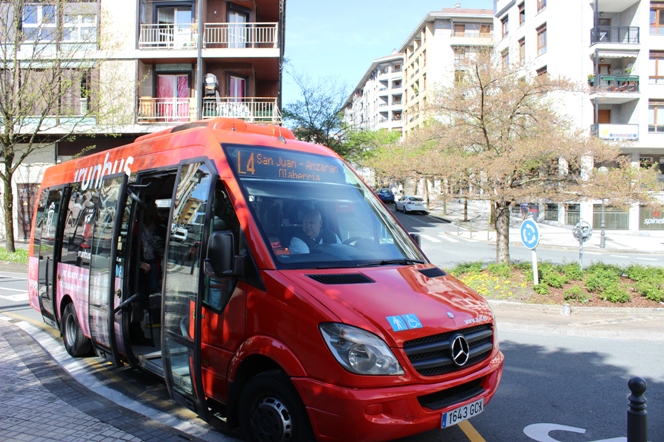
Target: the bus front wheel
(76, 343)
(270, 409)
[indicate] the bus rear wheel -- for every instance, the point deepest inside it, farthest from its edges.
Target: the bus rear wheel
(270, 409)
(76, 343)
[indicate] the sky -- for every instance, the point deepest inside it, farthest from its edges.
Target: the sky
(340, 39)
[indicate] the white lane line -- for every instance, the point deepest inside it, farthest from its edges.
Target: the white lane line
(648, 259)
(619, 256)
(15, 298)
(430, 238)
(2, 289)
(592, 253)
(448, 238)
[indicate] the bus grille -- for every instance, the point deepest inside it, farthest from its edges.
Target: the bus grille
(432, 355)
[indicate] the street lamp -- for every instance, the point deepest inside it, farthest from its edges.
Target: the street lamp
(602, 239)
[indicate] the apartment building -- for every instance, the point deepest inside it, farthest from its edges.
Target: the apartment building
(179, 60)
(377, 101)
(617, 48)
(433, 51)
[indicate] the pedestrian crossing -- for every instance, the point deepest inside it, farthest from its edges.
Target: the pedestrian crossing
(441, 237)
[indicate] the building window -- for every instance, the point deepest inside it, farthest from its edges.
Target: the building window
(656, 67)
(459, 55)
(505, 24)
(505, 56)
(522, 51)
(656, 116)
(657, 18)
(39, 22)
(458, 75)
(459, 30)
(522, 13)
(541, 39)
(541, 4)
(541, 71)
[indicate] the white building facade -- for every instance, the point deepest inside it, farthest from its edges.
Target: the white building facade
(617, 48)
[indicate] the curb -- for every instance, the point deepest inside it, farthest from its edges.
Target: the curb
(550, 308)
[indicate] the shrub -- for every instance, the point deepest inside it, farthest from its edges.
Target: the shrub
(600, 279)
(641, 273)
(615, 293)
(468, 267)
(554, 279)
(572, 271)
(600, 267)
(541, 289)
(651, 289)
(503, 270)
(576, 293)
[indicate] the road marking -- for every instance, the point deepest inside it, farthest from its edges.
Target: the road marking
(12, 290)
(15, 298)
(592, 253)
(430, 238)
(619, 256)
(470, 432)
(648, 259)
(448, 238)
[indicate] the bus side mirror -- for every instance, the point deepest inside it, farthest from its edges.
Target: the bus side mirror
(220, 254)
(416, 238)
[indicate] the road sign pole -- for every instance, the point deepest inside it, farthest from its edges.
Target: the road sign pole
(581, 255)
(535, 272)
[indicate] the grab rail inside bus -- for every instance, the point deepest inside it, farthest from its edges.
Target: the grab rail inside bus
(126, 302)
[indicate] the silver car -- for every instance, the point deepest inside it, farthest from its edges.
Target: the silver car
(408, 204)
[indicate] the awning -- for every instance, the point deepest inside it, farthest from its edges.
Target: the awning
(616, 54)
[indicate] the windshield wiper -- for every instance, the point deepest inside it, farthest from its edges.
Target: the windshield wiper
(386, 262)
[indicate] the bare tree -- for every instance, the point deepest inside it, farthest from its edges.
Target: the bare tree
(52, 84)
(317, 116)
(501, 137)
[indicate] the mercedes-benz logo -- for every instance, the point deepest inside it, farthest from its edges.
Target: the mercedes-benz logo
(460, 350)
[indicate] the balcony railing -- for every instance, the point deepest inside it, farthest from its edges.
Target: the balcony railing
(615, 34)
(181, 110)
(216, 35)
(616, 132)
(254, 109)
(610, 83)
(473, 34)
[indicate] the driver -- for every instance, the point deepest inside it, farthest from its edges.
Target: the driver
(312, 234)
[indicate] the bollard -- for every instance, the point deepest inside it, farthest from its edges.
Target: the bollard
(471, 227)
(458, 227)
(637, 416)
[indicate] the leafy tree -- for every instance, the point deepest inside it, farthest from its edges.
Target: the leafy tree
(52, 85)
(498, 135)
(316, 116)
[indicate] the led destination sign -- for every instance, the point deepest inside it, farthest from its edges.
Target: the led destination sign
(286, 165)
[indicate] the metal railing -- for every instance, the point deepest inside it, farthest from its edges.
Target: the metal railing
(615, 34)
(241, 35)
(614, 218)
(473, 34)
(610, 83)
(163, 110)
(254, 109)
(215, 35)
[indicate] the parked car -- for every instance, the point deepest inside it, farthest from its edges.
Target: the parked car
(408, 204)
(385, 195)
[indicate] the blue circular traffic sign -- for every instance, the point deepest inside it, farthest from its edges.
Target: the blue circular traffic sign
(529, 234)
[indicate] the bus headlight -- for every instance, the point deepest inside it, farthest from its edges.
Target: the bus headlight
(359, 351)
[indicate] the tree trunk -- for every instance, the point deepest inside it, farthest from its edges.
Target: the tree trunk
(502, 232)
(8, 204)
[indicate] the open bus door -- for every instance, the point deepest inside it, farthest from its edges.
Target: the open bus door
(105, 273)
(48, 232)
(183, 286)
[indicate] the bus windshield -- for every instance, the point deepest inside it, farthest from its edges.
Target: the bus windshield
(314, 212)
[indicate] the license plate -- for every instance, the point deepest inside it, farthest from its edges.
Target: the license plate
(462, 413)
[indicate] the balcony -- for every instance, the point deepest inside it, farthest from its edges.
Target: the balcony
(471, 38)
(610, 83)
(182, 110)
(216, 35)
(615, 34)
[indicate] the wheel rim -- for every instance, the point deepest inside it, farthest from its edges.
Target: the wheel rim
(70, 330)
(271, 421)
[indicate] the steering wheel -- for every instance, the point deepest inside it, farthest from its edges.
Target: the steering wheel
(352, 241)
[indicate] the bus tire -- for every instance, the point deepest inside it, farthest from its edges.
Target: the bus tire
(76, 343)
(271, 409)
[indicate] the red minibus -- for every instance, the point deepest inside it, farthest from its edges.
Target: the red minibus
(263, 281)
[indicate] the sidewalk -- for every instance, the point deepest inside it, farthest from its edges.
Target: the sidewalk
(551, 234)
(42, 402)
